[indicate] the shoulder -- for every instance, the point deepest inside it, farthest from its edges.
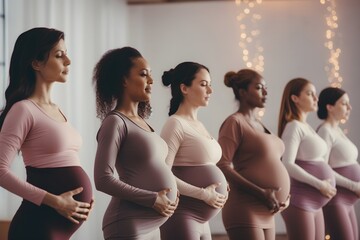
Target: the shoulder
(325, 131)
(294, 127)
(234, 120)
(174, 122)
(113, 122)
(22, 109)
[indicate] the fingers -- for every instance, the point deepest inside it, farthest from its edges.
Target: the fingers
(76, 191)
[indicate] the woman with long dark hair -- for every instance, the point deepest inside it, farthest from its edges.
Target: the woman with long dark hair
(57, 194)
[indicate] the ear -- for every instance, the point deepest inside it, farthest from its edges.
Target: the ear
(329, 107)
(242, 92)
(125, 82)
(36, 65)
(294, 98)
(183, 89)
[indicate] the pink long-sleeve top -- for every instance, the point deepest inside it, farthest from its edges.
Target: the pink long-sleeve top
(43, 141)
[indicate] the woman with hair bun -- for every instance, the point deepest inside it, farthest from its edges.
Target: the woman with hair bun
(193, 154)
(251, 162)
(339, 214)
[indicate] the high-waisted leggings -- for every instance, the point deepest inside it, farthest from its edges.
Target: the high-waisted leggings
(340, 222)
(32, 222)
(304, 225)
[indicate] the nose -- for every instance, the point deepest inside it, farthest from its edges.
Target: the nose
(67, 60)
(209, 89)
(150, 80)
(265, 92)
(349, 106)
(315, 98)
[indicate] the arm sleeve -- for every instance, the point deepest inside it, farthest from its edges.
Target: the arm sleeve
(173, 135)
(17, 125)
(341, 181)
(230, 139)
(110, 136)
(292, 136)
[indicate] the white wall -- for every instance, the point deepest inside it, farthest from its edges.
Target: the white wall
(166, 34)
(292, 34)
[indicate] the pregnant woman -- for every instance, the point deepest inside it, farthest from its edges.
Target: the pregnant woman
(145, 194)
(57, 195)
(250, 160)
(193, 154)
(312, 180)
(339, 213)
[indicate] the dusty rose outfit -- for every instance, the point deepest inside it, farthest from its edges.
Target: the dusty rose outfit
(50, 153)
(138, 156)
(339, 213)
(193, 157)
(305, 160)
(255, 155)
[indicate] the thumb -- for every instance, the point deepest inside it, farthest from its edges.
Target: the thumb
(76, 191)
(166, 190)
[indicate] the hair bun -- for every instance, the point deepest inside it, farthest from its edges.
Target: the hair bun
(228, 78)
(168, 77)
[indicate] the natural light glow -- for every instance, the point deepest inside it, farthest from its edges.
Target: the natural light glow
(332, 66)
(250, 34)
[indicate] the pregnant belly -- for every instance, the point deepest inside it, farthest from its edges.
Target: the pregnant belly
(343, 195)
(154, 178)
(305, 196)
(60, 180)
(270, 175)
(200, 176)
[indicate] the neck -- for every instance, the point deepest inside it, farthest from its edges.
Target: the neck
(332, 122)
(303, 116)
(248, 112)
(128, 108)
(187, 112)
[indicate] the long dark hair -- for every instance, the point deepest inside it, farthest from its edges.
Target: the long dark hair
(183, 73)
(34, 44)
(109, 76)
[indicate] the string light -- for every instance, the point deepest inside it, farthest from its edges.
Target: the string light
(332, 67)
(249, 34)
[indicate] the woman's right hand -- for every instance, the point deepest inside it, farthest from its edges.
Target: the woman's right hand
(213, 198)
(327, 189)
(271, 200)
(67, 206)
(163, 205)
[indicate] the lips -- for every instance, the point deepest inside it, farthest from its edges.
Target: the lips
(148, 90)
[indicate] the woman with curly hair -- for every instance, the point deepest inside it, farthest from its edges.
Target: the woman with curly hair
(145, 194)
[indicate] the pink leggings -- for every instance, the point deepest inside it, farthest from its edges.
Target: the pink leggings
(247, 233)
(184, 227)
(340, 222)
(304, 225)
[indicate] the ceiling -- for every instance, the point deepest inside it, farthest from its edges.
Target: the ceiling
(173, 1)
(167, 1)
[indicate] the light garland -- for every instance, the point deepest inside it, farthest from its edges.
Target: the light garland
(249, 39)
(332, 66)
(249, 34)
